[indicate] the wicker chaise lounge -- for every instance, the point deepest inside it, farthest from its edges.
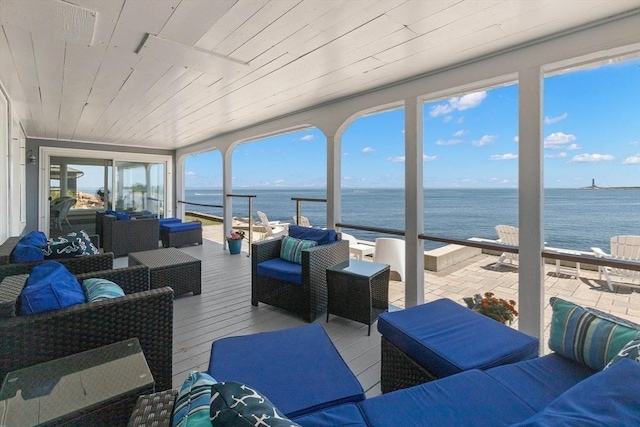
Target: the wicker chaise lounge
(142, 313)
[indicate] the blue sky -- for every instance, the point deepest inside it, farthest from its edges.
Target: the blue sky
(592, 130)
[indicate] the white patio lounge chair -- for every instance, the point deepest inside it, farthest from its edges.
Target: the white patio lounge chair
(304, 221)
(390, 251)
(356, 249)
(507, 235)
(622, 248)
(272, 229)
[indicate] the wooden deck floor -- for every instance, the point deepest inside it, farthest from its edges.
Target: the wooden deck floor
(224, 307)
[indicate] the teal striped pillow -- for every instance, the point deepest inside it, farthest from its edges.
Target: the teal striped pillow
(588, 336)
(291, 248)
(100, 289)
(192, 403)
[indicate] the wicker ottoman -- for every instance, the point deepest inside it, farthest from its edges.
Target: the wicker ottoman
(443, 338)
(175, 234)
(171, 267)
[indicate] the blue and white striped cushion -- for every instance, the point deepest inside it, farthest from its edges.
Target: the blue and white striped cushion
(192, 404)
(291, 248)
(586, 335)
(100, 289)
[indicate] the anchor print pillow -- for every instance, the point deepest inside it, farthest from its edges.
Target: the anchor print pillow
(235, 404)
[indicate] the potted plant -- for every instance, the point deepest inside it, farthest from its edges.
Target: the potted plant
(496, 308)
(234, 240)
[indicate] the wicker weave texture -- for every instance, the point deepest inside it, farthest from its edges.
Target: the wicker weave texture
(146, 315)
(180, 238)
(171, 267)
(398, 370)
(124, 237)
(77, 265)
(308, 299)
(153, 410)
(6, 248)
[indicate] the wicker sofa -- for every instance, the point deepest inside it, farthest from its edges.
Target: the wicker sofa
(309, 298)
(124, 237)
(142, 313)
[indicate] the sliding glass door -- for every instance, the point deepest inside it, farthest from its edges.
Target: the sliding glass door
(140, 187)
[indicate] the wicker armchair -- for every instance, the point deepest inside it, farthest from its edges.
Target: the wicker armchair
(142, 313)
(124, 237)
(308, 299)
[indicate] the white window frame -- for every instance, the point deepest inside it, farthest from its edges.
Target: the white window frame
(44, 176)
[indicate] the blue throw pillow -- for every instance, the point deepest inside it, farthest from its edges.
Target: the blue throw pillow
(71, 245)
(192, 403)
(100, 289)
(291, 248)
(50, 286)
(309, 233)
(29, 248)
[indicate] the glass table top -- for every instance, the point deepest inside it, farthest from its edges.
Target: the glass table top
(53, 390)
(359, 268)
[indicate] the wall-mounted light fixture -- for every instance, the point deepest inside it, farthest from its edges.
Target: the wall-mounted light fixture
(31, 158)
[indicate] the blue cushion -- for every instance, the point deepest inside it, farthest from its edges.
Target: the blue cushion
(279, 269)
(29, 248)
(71, 245)
(348, 415)
(608, 398)
(100, 289)
(299, 369)
(191, 408)
(309, 233)
(447, 338)
(169, 220)
(120, 215)
(173, 227)
(471, 398)
(239, 405)
(50, 286)
(538, 381)
(291, 248)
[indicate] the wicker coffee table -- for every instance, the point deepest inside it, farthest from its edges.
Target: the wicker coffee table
(358, 290)
(171, 267)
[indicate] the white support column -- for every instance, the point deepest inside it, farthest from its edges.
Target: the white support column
(414, 202)
(64, 176)
(334, 172)
(227, 188)
(530, 203)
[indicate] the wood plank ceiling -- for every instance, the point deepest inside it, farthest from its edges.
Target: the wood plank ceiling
(170, 73)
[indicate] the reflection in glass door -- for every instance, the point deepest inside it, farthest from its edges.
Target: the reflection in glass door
(140, 187)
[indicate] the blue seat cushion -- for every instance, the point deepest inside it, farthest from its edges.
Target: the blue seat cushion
(279, 269)
(162, 221)
(50, 286)
(348, 415)
(447, 338)
(174, 227)
(29, 248)
(298, 369)
(608, 398)
(470, 398)
(538, 381)
(309, 233)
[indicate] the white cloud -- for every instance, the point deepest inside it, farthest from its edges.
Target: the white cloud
(345, 154)
(458, 103)
(557, 140)
(485, 140)
(447, 119)
(461, 132)
(402, 159)
(449, 142)
(516, 139)
(573, 147)
(368, 150)
(190, 174)
(399, 159)
(278, 181)
(634, 143)
(426, 158)
(555, 156)
(552, 120)
(308, 137)
(633, 160)
(507, 156)
(591, 158)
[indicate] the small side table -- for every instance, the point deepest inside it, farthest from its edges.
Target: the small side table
(358, 290)
(95, 387)
(171, 267)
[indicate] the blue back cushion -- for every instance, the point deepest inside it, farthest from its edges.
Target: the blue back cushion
(120, 216)
(308, 233)
(50, 286)
(29, 248)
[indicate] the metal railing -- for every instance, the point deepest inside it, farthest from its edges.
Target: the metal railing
(299, 201)
(250, 197)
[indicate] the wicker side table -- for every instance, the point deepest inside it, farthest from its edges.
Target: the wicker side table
(358, 290)
(171, 267)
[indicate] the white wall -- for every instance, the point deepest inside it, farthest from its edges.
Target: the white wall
(4, 167)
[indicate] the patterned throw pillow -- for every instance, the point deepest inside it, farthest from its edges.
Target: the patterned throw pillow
(629, 351)
(100, 289)
(192, 404)
(588, 336)
(69, 246)
(235, 404)
(291, 248)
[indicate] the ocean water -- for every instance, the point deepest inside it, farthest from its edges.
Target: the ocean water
(574, 219)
